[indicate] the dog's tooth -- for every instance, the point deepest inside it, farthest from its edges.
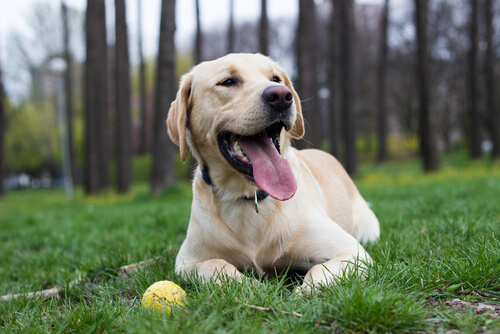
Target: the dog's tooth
(237, 147)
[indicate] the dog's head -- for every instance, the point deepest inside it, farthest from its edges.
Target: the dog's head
(236, 114)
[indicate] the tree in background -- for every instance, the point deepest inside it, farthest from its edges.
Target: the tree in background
(143, 139)
(123, 116)
(473, 112)
(230, 29)
(2, 131)
(264, 28)
(493, 112)
(306, 48)
(97, 155)
(68, 84)
(381, 86)
(347, 31)
(334, 137)
(198, 38)
(163, 169)
(428, 142)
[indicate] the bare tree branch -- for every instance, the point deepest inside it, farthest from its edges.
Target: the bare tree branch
(43, 293)
(269, 309)
(55, 291)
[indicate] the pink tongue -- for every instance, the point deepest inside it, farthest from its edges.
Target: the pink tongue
(271, 171)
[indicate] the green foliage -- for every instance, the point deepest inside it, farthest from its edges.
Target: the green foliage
(399, 146)
(31, 137)
(183, 64)
(78, 141)
(439, 242)
(142, 168)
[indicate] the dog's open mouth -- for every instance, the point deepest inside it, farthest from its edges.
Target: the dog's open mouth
(258, 157)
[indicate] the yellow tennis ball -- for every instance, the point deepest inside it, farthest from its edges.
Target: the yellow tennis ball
(163, 296)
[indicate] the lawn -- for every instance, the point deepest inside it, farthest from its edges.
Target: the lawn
(436, 267)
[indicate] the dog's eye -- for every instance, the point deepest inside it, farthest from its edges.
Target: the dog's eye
(228, 82)
(276, 79)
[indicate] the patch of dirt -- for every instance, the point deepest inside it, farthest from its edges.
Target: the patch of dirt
(479, 307)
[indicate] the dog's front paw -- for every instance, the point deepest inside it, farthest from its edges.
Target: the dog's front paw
(306, 289)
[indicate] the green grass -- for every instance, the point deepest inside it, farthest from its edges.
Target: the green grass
(440, 240)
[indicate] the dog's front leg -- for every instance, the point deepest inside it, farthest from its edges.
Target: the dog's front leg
(325, 273)
(214, 269)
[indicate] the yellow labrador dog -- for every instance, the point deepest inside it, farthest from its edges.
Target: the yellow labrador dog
(258, 203)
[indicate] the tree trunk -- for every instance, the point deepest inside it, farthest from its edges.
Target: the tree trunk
(306, 46)
(381, 86)
(334, 137)
(68, 87)
(264, 29)
(347, 30)
(143, 140)
(2, 132)
(473, 112)
(428, 142)
(197, 47)
(96, 109)
(163, 173)
(493, 112)
(123, 117)
(230, 30)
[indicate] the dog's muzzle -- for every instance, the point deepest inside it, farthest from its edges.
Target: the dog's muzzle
(279, 99)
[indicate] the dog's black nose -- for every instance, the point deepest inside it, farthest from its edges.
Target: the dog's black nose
(279, 98)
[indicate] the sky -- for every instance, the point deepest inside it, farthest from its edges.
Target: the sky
(214, 14)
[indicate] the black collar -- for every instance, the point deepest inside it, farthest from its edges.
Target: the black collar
(261, 194)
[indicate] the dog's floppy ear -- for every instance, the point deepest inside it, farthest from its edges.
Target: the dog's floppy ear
(177, 116)
(298, 129)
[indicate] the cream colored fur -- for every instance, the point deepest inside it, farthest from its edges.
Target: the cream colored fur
(317, 231)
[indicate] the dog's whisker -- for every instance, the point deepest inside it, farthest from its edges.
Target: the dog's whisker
(305, 100)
